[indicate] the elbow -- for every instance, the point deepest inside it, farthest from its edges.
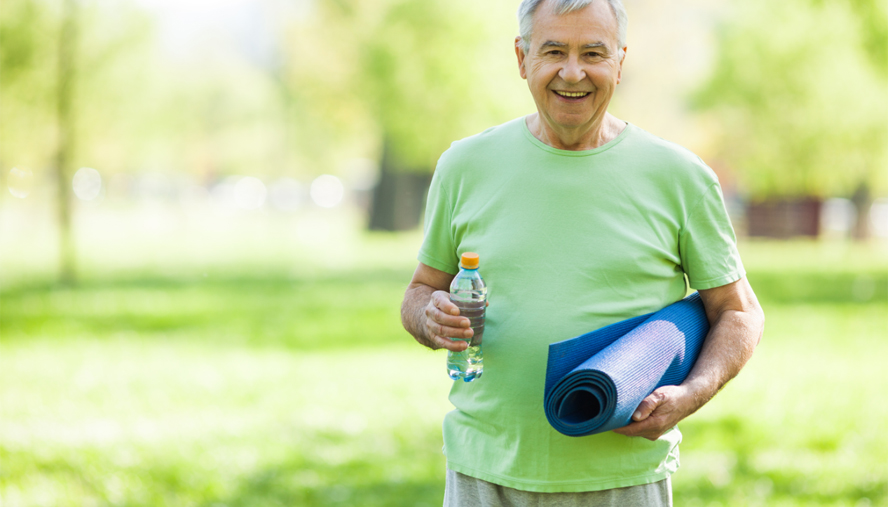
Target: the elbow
(759, 324)
(405, 311)
(410, 305)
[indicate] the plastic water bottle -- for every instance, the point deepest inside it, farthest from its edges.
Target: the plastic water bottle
(469, 294)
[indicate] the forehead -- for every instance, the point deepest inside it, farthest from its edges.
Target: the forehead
(594, 23)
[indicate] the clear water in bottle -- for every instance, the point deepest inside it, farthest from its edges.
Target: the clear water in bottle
(469, 293)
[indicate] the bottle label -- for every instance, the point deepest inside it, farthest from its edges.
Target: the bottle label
(474, 311)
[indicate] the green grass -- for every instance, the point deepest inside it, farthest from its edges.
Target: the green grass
(123, 423)
(800, 425)
(272, 386)
(357, 309)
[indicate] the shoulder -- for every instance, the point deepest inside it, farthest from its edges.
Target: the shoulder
(671, 160)
(474, 150)
(492, 137)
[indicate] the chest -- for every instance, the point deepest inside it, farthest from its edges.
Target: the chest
(581, 223)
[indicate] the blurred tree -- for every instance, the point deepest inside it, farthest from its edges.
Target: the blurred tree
(67, 130)
(425, 89)
(872, 18)
(28, 31)
(51, 76)
(415, 74)
(799, 98)
(393, 79)
(36, 99)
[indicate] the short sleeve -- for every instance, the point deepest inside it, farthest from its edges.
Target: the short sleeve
(707, 244)
(438, 249)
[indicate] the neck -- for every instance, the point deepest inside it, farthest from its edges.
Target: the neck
(598, 133)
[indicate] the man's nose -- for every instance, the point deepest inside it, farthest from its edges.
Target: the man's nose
(572, 72)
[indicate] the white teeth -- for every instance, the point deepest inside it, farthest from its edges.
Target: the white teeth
(572, 94)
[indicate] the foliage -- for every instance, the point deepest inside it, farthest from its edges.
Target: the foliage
(415, 73)
(340, 77)
(798, 94)
(136, 107)
(872, 16)
(27, 73)
(424, 65)
(110, 74)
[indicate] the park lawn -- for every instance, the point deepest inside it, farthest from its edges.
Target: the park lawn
(303, 390)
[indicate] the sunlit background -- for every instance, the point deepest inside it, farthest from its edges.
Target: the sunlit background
(210, 210)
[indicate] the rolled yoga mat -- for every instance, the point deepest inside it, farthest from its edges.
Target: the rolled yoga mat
(594, 382)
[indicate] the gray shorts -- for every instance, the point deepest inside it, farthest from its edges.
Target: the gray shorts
(464, 491)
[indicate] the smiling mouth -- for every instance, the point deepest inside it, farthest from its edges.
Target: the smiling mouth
(571, 95)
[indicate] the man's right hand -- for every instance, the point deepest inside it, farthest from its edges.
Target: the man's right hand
(443, 324)
(428, 314)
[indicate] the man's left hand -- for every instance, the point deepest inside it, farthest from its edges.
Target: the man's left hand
(659, 412)
(736, 322)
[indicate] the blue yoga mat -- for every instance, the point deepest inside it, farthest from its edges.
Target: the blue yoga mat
(594, 382)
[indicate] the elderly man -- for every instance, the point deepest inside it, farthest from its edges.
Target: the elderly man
(581, 220)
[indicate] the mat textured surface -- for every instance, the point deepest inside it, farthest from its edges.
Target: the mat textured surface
(594, 382)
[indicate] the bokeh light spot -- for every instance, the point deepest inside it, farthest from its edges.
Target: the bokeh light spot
(838, 215)
(327, 191)
(249, 193)
(223, 197)
(87, 183)
(286, 194)
(361, 173)
(20, 182)
(879, 217)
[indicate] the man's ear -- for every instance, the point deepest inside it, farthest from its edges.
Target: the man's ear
(521, 57)
(620, 70)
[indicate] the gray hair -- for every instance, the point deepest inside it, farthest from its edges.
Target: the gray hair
(528, 7)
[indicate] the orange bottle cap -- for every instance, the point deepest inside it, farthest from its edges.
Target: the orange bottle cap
(469, 260)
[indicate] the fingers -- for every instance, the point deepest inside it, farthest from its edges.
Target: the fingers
(441, 342)
(648, 405)
(442, 312)
(657, 413)
(441, 300)
(459, 333)
(628, 430)
(648, 429)
(436, 315)
(445, 328)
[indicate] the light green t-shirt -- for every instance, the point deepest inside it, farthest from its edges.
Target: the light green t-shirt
(569, 241)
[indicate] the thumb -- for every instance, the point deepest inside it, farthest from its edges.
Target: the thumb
(647, 406)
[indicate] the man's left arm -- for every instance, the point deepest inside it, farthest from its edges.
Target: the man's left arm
(736, 323)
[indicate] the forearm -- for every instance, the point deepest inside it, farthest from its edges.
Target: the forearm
(728, 346)
(736, 323)
(413, 315)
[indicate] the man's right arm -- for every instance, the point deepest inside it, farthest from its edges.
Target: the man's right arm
(428, 314)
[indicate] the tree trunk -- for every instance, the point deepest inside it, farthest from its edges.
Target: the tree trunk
(66, 140)
(862, 200)
(398, 197)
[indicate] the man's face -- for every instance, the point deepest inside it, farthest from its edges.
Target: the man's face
(573, 64)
